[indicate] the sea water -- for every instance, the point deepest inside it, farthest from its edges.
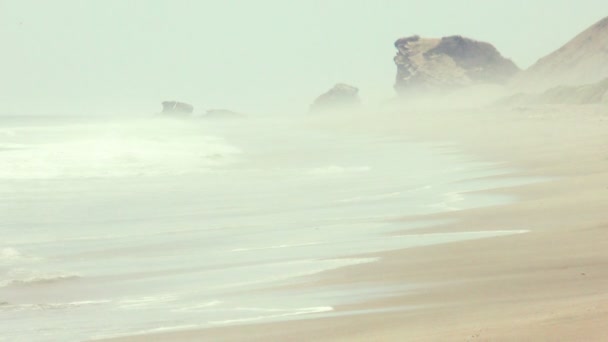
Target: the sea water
(112, 227)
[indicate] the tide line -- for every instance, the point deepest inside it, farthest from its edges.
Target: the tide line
(302, 311)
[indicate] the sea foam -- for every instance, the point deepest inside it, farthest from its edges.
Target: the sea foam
(20, 277)
(114, 157)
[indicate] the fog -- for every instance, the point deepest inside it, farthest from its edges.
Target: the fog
(125, 57)
(118, 220)
(126, 226)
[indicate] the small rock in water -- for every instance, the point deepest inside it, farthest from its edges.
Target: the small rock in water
(340, 97)
(177, 108)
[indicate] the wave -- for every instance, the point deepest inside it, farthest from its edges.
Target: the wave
(9, 254)
(167, 329)
(275, 247)
(115, 157)
(278, 313)
(139, 302)
(270, 314)
(198, 307)
(22, 278)
(6, 306)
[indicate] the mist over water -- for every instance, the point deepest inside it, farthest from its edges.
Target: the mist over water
(114, 226)
(115, 221)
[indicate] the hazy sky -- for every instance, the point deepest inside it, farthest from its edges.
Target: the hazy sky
(105, 56)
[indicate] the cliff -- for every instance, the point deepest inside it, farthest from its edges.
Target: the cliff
(432, 64)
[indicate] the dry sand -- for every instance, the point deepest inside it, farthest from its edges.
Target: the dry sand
(547, 285)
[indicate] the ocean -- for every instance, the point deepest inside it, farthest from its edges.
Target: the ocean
(114, 226)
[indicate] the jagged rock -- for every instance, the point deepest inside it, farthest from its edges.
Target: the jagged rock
(340, 97)
(432, 64)
(177, 108)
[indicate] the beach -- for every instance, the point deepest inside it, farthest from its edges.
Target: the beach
(132, 226)
(544, 285)
(303, 171)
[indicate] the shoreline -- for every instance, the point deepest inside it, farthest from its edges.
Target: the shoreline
(547, 284)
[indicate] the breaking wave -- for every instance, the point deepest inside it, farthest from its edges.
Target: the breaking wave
(27, 278)
(115, 157)
(49, 306)
(271, 314)
(9, 254)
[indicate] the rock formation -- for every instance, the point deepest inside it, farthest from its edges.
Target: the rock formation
(177, 108)
(431, 64)
(583, 60)
(340, 97)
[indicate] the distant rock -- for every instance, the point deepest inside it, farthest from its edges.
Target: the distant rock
(222, 114)
(596, 93)
(340, 97)
(583, 60)
(177, 108)
(432, 64)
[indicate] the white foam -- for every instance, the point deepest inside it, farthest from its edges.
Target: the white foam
(469, 235)
(169, 328)
(89, 302)
(20, 277)
(139, 302)
(50, 306)
(276, 247)
(279, 313)
(197, 307)
(9, 253)
(115, 157)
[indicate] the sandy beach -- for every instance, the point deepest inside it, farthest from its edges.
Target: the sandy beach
(545, 285)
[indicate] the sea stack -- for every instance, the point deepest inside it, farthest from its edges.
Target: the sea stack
(177, 108)
(340, 97)
(448, 63)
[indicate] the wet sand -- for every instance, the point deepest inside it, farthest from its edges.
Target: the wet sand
(547, 285)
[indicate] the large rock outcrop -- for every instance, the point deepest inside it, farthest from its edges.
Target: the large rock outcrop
(340, 97)
(177, 108)
(583, 60)
(439, 65)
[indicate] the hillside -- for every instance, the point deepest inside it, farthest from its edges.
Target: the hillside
(583, 60)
